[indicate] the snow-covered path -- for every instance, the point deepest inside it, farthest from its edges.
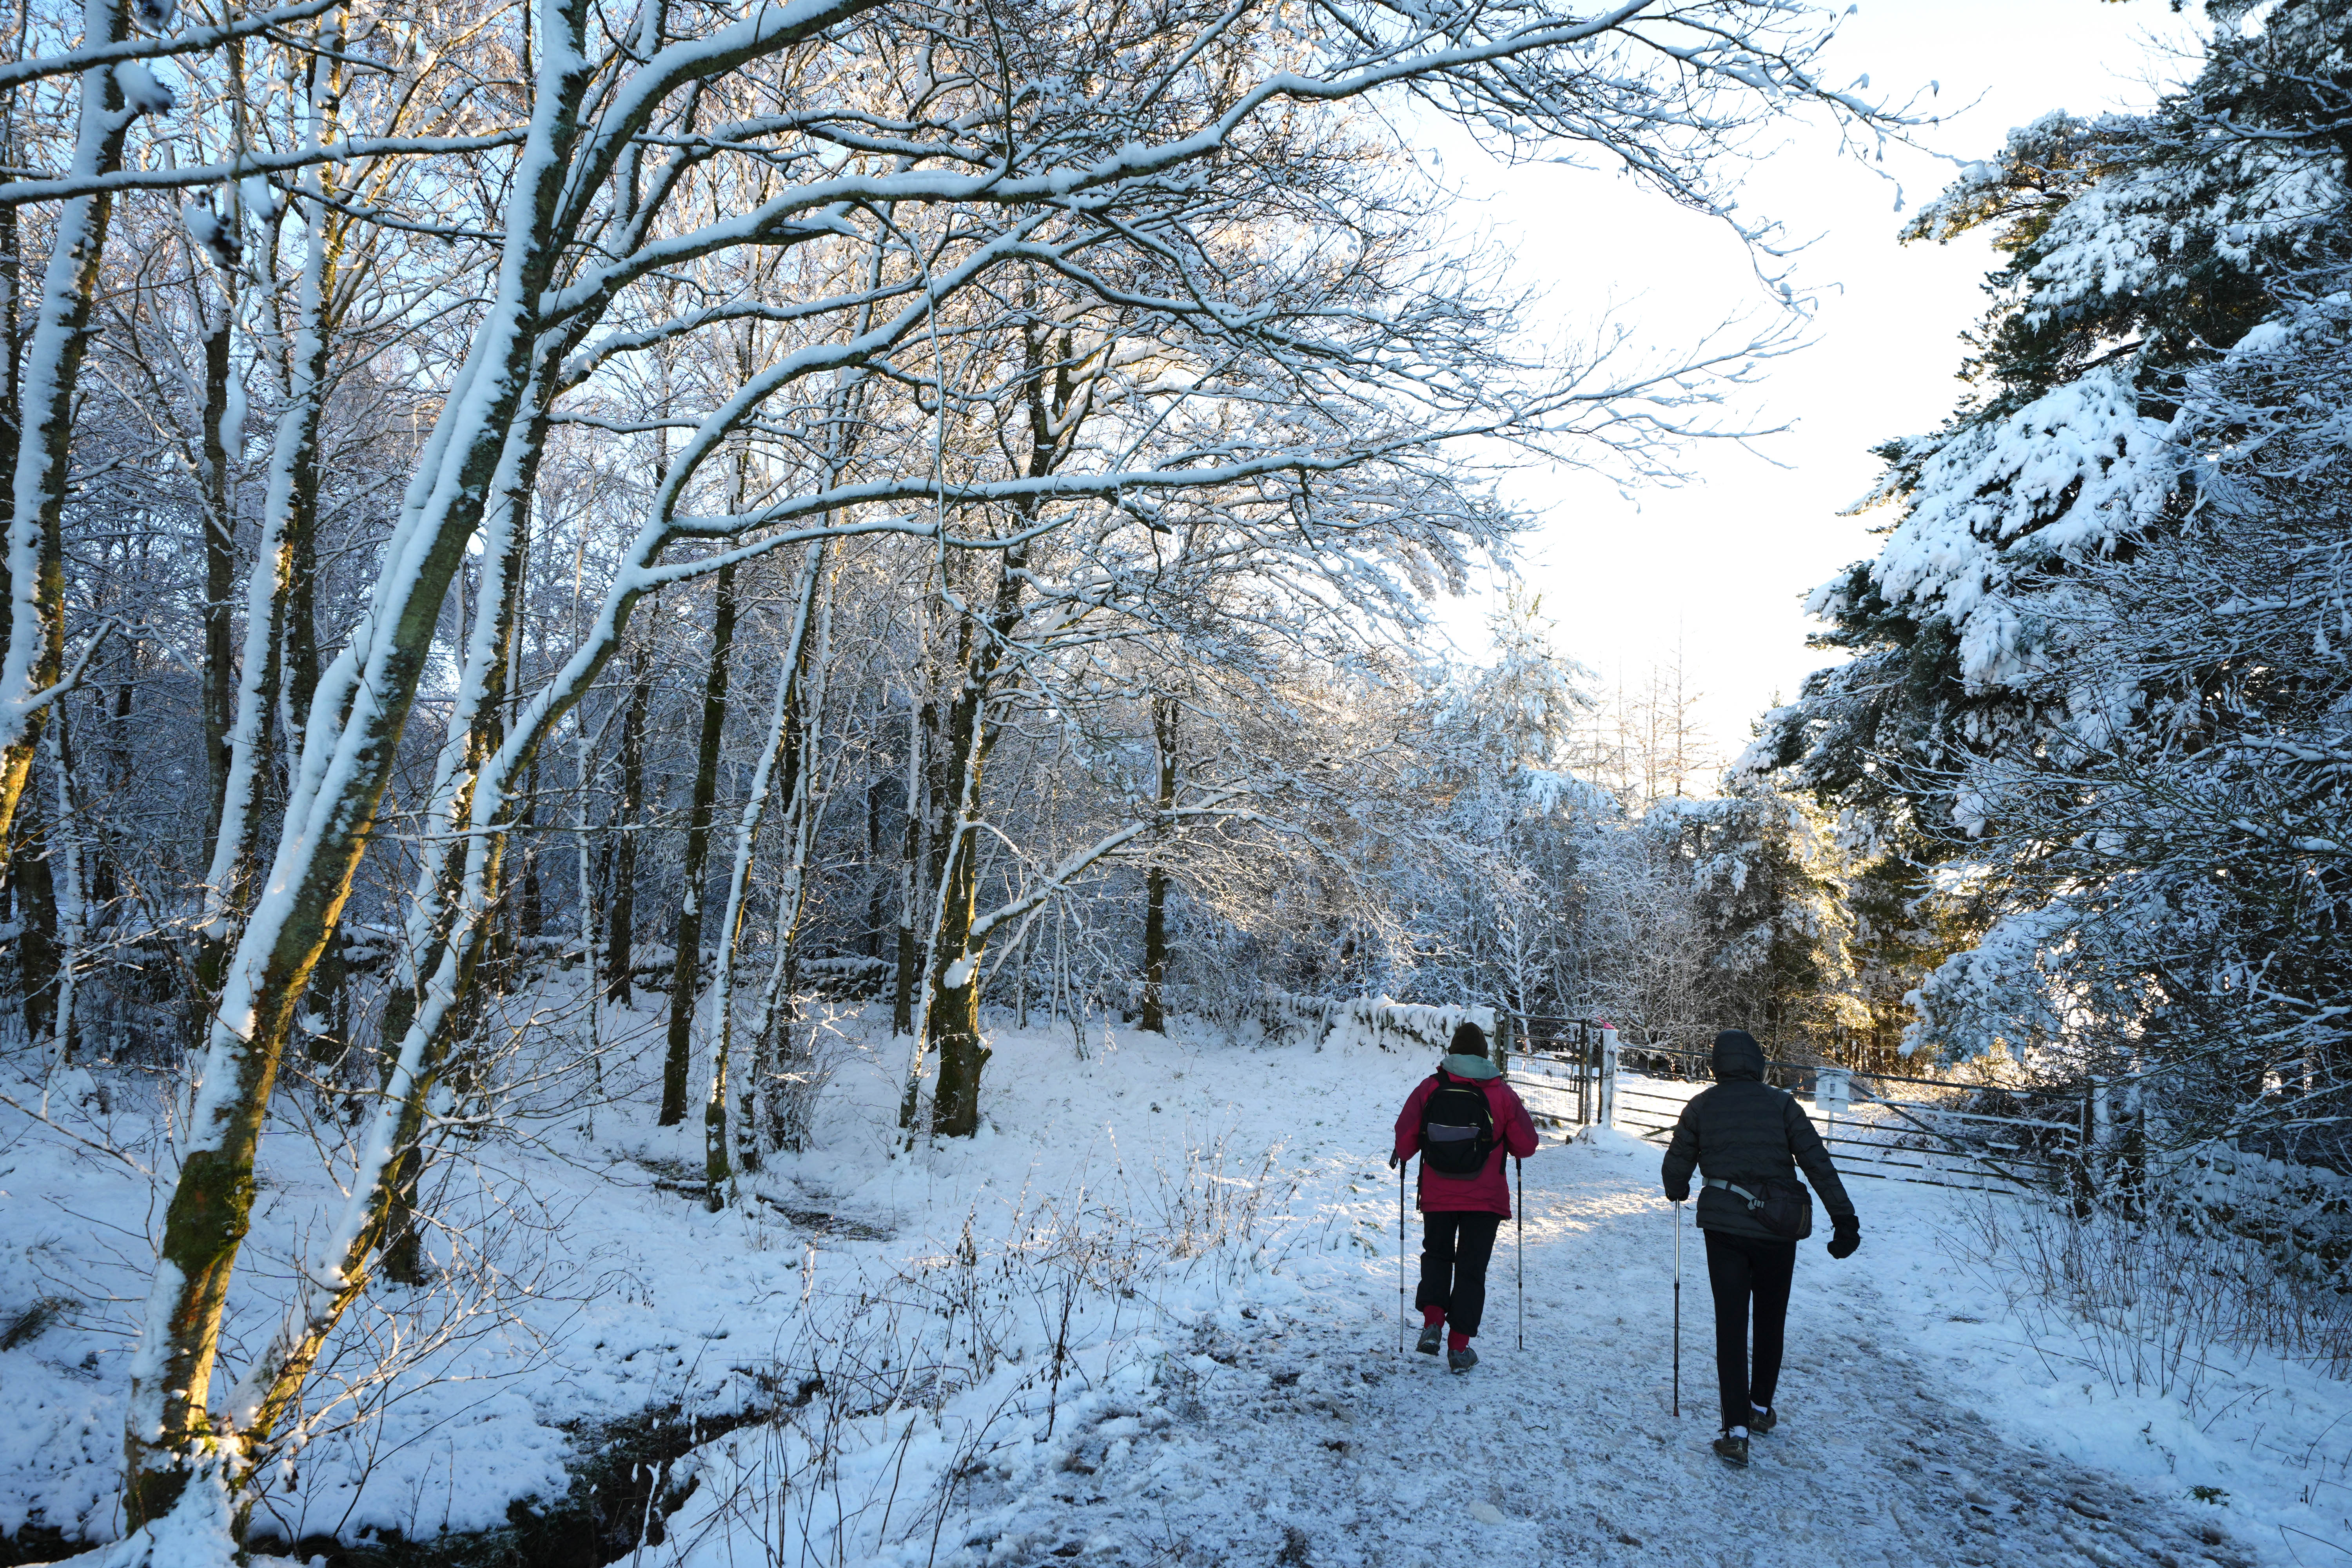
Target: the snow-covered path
(1238, 1401)
(1318, 1443)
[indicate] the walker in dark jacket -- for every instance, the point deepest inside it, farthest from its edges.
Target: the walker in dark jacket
(1745, 1133)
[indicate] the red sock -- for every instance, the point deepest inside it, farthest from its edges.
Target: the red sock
(1432, 1315)
(1457, 1341)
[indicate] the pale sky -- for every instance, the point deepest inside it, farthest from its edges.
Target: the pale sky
(1723, 563)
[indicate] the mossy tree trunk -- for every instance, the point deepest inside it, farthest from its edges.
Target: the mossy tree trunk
(951, 1009)
(169, 1429)
(1053, 397)
(45, 401)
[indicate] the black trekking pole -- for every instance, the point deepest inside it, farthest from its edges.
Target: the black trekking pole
(1678, 1311)
(1520, 1215)
(1401, 1256)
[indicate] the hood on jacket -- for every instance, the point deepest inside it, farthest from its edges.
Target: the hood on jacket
(1470, 1067)
(1736, 1055)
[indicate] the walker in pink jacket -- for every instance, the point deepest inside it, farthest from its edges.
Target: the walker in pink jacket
(1489, 1190)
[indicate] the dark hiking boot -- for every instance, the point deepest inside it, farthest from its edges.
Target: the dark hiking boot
(1432, 1338)
(1732, 1451)
(1461, 1360)
(1761, 1422)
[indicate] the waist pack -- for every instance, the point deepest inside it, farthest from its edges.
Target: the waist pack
(1783, 1207)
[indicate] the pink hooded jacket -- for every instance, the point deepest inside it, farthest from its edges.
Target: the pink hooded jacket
(1488, 1192)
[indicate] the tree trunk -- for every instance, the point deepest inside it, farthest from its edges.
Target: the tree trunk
(105, 883)
(220, 579)
(66, 882)
(622, 923)
(403, 1247)
(279, 671)
(12, 295)
(34, 660)
(37, 912)
(438, 905)
(910, 879)
(782, 754)
(954, 1009)
(592, 968)
(330, 818)
(457, 899)
(952, 999)
(1155, 879)
(686, 966)
(530, 913)
(876, 906)
(951, 1008)
(299, 621)
(508, 914)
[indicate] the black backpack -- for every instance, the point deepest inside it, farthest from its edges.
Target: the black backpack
(1457, 1127)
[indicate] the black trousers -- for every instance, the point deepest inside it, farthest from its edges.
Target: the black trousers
(1454, 1248)
(1740, 1269)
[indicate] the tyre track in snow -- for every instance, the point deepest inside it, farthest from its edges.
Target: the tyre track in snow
(1317, 1444)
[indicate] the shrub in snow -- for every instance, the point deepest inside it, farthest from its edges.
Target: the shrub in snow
(2152, 1300)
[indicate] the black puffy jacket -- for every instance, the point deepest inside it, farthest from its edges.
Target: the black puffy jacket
(1743, 1131)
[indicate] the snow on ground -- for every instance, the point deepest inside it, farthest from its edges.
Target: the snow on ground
(1311, 1438)
(1110, 1330)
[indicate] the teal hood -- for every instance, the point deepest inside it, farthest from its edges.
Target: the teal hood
(1470, 1067)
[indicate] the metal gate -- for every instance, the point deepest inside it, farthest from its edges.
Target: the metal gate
(1563, 1066)
(1948, 1132)
(1944, 1133)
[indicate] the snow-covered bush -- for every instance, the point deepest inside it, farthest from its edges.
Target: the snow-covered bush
(2150, 1299)
(925, 1388)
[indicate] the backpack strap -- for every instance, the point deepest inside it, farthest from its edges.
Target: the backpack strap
(1433, 1083)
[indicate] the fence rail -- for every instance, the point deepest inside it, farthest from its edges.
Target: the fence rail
(1962, 1133)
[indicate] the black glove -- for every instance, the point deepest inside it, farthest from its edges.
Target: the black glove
(1678, 1195)
(1394, 1159)
(1847, 1238)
